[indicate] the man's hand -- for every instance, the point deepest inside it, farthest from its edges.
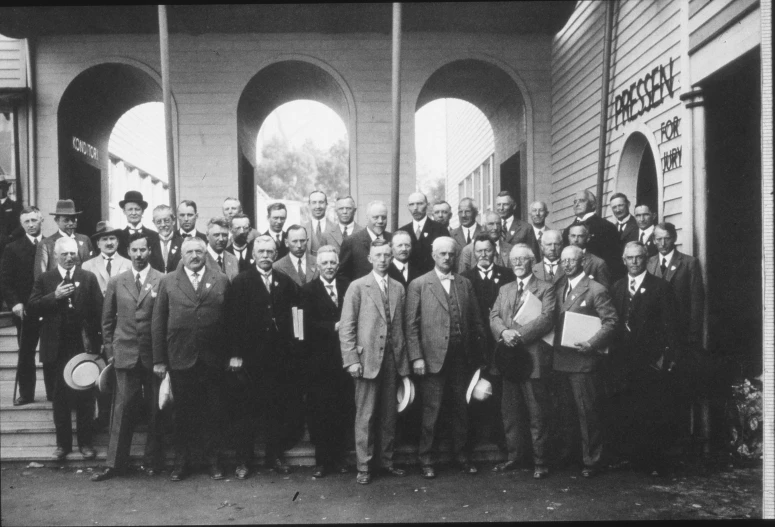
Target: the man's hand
(160, 370)
(583, 347)
(64, 290)
(418, 367)
(355, 370)
(235, 364)
(336, 326)
(18, 310)
(510, 337)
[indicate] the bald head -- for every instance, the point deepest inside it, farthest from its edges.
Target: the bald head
(376, 216)
(584, 202)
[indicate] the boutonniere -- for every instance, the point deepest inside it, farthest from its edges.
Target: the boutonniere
(77, 284)
(275, 284)
(425, 234)
(672, 267)
(174, 250)
(496, 279)
(584, 303)
(252, 261)
(147, 287)
(208, 286)
(573, 297)
(80, 242)
(153, 294)
(641, 290)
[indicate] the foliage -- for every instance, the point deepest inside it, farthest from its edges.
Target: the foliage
(744, 418)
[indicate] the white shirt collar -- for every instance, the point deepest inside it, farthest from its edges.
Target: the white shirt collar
(586, 216)
(625, 220)
(575, 281)
(647, 233)
(132, 228)
(442, 275)
(483, 270)
(295, 261)
(420, 224)
(143, 273)
(3, 200)
(262, 272)
(547, 262)
(214, 254)
(190, 273)
(63, 271)
(374, 236)
(32, 239)
(399, 265)
(326, 283)
(539, 229)
(111, 257)
(509, 221)
(64, 234)
(169, 239)
(379, 278)
(668, 258)
(638, 280)
(346, 228)
(321, 221)
(525, 280)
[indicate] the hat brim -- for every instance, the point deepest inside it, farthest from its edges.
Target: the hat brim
(78, 360)
(472, 384)
(107, 379)
(65, 213)
(143, 204)
(96, 237)
(404, 394)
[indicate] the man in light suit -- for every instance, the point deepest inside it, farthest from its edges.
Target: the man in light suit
(133, 205)
(318, 227)
(66, 218)
(187, 216)
(441, 213)
(217, 255)
(513, 229)
(579, 365)
(645, 219)
(371, 336)
(469, 229)
(126, 332)
(445, 337)
(240, 247)
(165, 252)
(594, 266)
(423, 232)
(298, 264)
(345, 212)
(108, 262)
(188, 339)
(493, 228)
(533, 359)
(354, 255)
(548, 268)
(400, 269)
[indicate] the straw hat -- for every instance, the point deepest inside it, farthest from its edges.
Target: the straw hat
(83, 371)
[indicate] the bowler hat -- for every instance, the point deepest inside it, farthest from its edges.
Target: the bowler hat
(133, 196)
(107, 380)
(4, 182)
(83, 371)
(65, 207)
(405, 394)
(104, 229)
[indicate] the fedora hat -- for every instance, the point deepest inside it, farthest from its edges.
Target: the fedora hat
(405, 394)
(5, 182)
(65, 207)
(104, 229)
(107, 381)
(133, 196)
(83, 371)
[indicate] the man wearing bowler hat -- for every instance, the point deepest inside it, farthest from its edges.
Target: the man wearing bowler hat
(108, 263)
(134, 206)
(69, 300)
(66, 218)
(126, 332)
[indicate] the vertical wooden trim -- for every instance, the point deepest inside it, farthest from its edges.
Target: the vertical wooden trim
(396, 153)
(606, 66)
(165, 86)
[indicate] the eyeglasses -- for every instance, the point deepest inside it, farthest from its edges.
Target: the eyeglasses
(166, 221)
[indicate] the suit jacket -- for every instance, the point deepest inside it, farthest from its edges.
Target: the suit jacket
(428, 322)
(313, 243)
(123, 239)
(651, 246)
(248, 261)
(538, 356)
(685, 276)
(363, 328)
(87, 311)
(44, 257)
(519, 232)
(486, 291)
(353, 256)
(629, 233)
(603, 240)
(420, 256)
(460, 237)
(539, 271)
(9, 220)
(467, 258)
(188, 325)
(282, 249)
(173, 256)
(17, 273)
(127, 316)
(587, 298)
(334, 235)
(647, 325)
(230, 264)
(398, 276)
(321, 314)
(96, 265)
(597, 270)
(287, 266)
(260, 322)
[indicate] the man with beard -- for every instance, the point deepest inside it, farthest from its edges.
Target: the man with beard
(594, 266)
(133, 205)
(423, 232)
(217, 256)
(108, 263)
(442, 213)
(66, 218)
(354, 255)
(165, 253)
(400, 269)
(240, 247)
(493, 229)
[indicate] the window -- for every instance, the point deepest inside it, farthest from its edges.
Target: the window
(8, 158)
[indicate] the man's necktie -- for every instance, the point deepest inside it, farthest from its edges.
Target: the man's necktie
(108, 265)
(621, 227)
(577, 221)
(302, 275)
(220, 262)
(318, 234)
(138, 283)
(551, 271)
(195, 281)
(69, 280)
(331, 292)
(405, 272)
(663, 267)
(540, 235)
(632, 287)
(568, 289)
(267, 281)
(641, 237)
(165, 250)
(468, 236)
(521, 288)
(486, 274)
(67, 277)
(35, 242)
(504, 229)
(344, 233)
(383, 288)
(417, 232)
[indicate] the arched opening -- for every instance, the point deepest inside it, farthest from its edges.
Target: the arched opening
(88, 111)
(637, 175)
(268, 90)
(502, 121)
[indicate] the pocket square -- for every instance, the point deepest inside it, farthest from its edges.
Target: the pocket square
(672, 267)
(153, 294)
(80, 242)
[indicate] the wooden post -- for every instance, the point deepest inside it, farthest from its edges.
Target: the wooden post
(601, 147)
(165, 87)
(396, 157)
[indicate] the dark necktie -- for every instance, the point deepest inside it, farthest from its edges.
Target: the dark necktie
(138, 283)
(344, 233)
(568, 289)
(621, 227)
(641, 237)
(578, 221)
(302, 275)
(504, 230)
(108, 265)
(35, 242)
(663, 267)
(220, 262)
(551, 271)
(521, 288)
(540, 235)
(331, 292)
(468, 236)
(318, 234)
(68, 280)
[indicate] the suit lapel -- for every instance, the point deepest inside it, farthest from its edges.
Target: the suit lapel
(208, 279)
(186, 286)
(577, 293)
(152, 279)
(672, 269)
(127, 281)
(395, 291)
(376, 295)
(438, 291)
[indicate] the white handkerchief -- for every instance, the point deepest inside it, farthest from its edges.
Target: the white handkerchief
(153, 294)
(80, 242)
(672, 267)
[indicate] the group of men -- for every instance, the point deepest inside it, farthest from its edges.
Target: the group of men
(321, 322)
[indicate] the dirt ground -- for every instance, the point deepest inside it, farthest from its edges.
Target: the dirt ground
(713, 489)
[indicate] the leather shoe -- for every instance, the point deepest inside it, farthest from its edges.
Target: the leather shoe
(468, 468)
(216, 471)
(363, 478)
(319, 472)
(108, 473)
(428, 472)
(179, 473)
(88, 452)
(280, 466)
(540, 472)
(589, 472)
(505, 466)
(21, 401)
(242, 471)
(60, 453)
(151, 471)
(393, 471)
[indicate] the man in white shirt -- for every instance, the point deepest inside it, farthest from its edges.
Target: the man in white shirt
(442, 212)
(165, 252)
(645, 220)
(423, 231)
(231, 207)
(217, 256)
(400, 269)
(298, 264)
(318, 226)
(239, 246)
(549, 268)
(513, 229)
(469, 228)
(187, 216)
(538, 213)
(133, 205)
(108, 263)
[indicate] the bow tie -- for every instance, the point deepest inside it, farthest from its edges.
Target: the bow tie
(446, 277)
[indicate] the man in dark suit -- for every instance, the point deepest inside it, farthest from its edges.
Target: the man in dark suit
(644, 217)
(646, 350)
(10, 210)
(469, 229)
(400, 269)
(594, 266)
(276, 213)
(188, 336)
(354, 256)
(329, 390)
(17, 275)
(371, 336)
(260, 314)
(548, 268)
(445, 337)
(298, 264)
(70, 302)
(233, 207)
(187, 216)
(513, 230)
(579, 365)
(346, 226)
(625, 225)
(493, 227)
(603, 240)
(127, 315)
(133, 205)
(66, 218)
(165, 253)
(423, 231)
(533, 359)
(240, 246)
(441, 212)
(318, 226)
(217, 255)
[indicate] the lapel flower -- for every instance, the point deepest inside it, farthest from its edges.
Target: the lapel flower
(174, 250)
(252, 261)
(275, 284)
(583, 303)
(208, 286)
(77, 284)
(672, 267)
(80, 242)
(153, 294)
(147, 287)
(496, 279)
(425, 234)
(642, 290)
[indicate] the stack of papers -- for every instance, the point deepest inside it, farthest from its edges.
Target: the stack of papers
(579, 328)
(530, 310)
(298, 323)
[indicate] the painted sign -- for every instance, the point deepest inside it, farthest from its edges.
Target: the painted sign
(669, 130)
(643, 95)
(82, 147)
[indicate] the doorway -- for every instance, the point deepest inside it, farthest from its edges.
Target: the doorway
(86, 191)
(511, 180)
